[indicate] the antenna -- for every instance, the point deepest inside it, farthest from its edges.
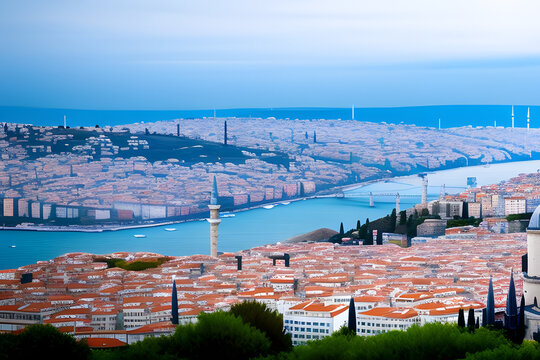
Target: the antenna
(528, 118)
(512, 116)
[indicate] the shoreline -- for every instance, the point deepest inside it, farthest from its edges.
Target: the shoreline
(326, 193)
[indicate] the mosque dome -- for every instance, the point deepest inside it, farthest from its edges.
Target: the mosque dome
(534, 224)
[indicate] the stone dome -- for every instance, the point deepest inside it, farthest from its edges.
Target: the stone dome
(534, 224)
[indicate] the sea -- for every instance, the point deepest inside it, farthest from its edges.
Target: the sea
(255, 227)
(450, 115)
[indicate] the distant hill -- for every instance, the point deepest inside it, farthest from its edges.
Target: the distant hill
(321, 234)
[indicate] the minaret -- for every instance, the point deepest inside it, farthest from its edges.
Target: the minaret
(65, 122)
(398, 210)
(353, 112)
(214, 219)
(371, 203)
(512, 116)
(439, 123)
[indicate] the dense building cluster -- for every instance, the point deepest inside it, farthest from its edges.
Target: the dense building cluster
(393, 287)
(52, 176)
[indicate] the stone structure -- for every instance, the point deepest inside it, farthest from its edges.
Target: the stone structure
(214, 219)
(431, 227)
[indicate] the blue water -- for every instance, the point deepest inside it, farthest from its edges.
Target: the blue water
(451, 115)
(252, 227)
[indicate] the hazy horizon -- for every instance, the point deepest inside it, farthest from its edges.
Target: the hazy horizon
(239, 54)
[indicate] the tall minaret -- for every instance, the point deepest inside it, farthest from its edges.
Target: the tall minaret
(398, 210)
(512, 116)
(528, 118)
(439, 123)
(65, 122)
(353, 112)
(214, 219)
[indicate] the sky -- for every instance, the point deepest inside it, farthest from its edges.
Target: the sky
(205, 54)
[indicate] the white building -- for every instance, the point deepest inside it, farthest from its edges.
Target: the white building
(312, 321)
(384, 319)
(515, 205)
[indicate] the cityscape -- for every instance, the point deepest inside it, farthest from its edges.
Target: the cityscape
(286, 180)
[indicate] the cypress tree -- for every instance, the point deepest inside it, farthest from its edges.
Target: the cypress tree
(461, 319)
(402, 217)
(471, 321)
(521, 321)
(341, 231)
(352, 316)
(379, 238)
(490, 304)
(393, 220)
(174, 305)
(358, 225)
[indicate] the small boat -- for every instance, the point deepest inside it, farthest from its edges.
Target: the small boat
(12, 246)
(227, 215)
(285, 203)
(170, 229)
(268, 207)
(139, 236)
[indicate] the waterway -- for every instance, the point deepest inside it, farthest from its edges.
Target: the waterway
(252, 227)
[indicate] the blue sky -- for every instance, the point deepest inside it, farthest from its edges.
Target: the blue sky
(247, 53)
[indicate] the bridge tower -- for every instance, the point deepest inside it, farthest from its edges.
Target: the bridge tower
(424, 187)
(442, 194)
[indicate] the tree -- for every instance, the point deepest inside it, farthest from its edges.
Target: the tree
(461, 319)
(425, 212)
(270, 322)
(379, 237)
(402, 217)
(521, 321)
(341, 231)
(42, 341)
(358, 225)
(393, 220)
(351, 325)
(471, 321)
(219, 335)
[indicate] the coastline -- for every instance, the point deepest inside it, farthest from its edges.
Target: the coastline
(326, 193)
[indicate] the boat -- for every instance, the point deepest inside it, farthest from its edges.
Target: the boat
(227, 215)
(139, 236)
(12, 246)
(268, 207)
(285, 203)
(170, 229)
